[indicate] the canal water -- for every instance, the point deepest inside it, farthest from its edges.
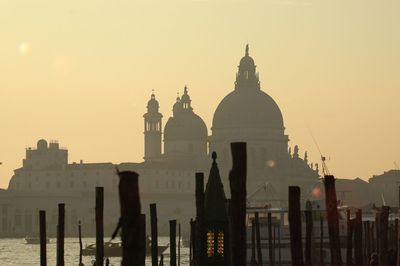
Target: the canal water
(16, 252)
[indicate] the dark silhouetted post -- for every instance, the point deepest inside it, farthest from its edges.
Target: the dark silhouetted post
(333, 220)
(60, 234)
(274, 243)
(372, 237)
(80, 243)
(162, 260)
(179, 244)
(279, 245)
(258, 239)
(43, 238)
(309, 230)
(321, 241)
(143, 239)
(368, 241)
(191, 242)
(398, 247)
(130, 218)
(99, 226)
(172, 242)
(358, 254)
(396, 233)
(349, 246)
(253, 261)
(270, 248)
(154, 234)
(237, 179)
(377, 225)
(200, 231)
(383, 236)
(295, 226)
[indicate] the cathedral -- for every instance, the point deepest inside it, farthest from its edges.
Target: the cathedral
(172, 156)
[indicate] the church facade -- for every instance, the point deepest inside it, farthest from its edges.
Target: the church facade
(172, 156)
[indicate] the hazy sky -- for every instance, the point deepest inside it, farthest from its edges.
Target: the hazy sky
(81, 72)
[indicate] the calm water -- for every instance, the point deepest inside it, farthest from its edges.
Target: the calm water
(16, 252)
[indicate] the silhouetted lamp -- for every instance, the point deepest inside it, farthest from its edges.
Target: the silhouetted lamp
(216, 218)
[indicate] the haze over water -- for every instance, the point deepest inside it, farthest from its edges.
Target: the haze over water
(14, 252)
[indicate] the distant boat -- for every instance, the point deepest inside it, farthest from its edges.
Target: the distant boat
(35, 240)
(115, 250)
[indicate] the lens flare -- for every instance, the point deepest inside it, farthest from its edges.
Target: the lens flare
(24, 48)
(271, 163)
(316, 192)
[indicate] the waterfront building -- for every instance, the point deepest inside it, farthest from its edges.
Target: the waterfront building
(172, 156)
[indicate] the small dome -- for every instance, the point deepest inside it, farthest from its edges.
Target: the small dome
(247, 61)
(152, 104)
(42, 144)
(185, 96)
(185, 126)
(178, 107)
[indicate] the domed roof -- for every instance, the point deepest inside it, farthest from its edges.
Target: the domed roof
(246, 59)
(248, 108)
(185, 124)
(42, 144)
(152, 104)
(247, 105)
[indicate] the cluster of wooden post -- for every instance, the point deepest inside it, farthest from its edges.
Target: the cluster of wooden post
(364, 238)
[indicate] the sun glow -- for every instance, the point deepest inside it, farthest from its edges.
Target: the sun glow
(24, 48)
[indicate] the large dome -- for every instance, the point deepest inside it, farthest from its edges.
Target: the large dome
(248, 108)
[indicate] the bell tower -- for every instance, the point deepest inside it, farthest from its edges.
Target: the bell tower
(152, 130)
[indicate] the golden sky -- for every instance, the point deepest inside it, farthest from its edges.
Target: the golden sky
(81, 72)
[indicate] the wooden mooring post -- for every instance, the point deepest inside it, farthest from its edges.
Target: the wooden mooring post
(396, 233)
(172, 242)
(143, 240)
(398, 247)
(309, 232)
(368, 241)
(321, 241)
(349, 238)
(191, 242)
(333, 220)
(60, 234)
(383, 236)
(279, 245)
(99, 209)
(237, 180)
(372, 237)
(161, 260)
(253, 261)
(43, 238)
(358, 252)
(296, 245)
(129, 198)
(179, 244)
(200, 231)
(258, 238)
(154, 234)
(80, 243)
(270, 244)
